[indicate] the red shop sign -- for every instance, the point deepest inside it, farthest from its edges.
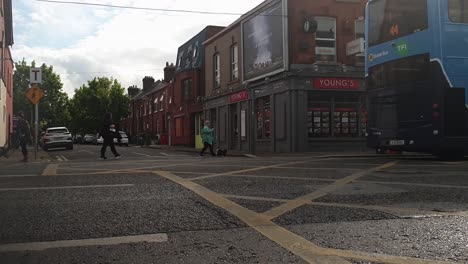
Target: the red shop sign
(239, 96)
(336, 83)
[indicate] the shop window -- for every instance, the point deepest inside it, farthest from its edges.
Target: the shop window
(187, 88)
(325, 39)
(216, 71)
(263, 111)
(179, 127)
(234, 63)
(318, 120)
(346, 121)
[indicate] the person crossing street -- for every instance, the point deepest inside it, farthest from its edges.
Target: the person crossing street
(108, 133)
(208, 139)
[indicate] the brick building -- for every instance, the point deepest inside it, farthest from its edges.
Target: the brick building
(188, 90)
(149, 108)
(300, 76)
(6, 73)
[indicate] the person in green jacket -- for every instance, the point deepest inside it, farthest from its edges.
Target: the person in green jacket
(207, 138)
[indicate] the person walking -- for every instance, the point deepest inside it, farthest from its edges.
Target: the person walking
(108, 133)
(207, 138)
(24, 135)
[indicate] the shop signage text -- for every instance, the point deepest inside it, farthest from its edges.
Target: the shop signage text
(336, 83)
(239, 96)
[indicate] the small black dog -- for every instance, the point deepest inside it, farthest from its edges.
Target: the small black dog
(221, 152)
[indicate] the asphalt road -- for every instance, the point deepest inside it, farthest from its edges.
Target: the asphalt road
(154, 206)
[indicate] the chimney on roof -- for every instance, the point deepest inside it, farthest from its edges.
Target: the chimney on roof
(133, 91)
(169, 72)
(148, 82)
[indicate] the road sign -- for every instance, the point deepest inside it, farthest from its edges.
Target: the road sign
(34, 94)
(35, 75)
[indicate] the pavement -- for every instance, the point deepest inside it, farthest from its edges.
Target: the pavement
(167, 206)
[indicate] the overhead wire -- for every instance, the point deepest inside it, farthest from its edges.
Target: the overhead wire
(142, 8)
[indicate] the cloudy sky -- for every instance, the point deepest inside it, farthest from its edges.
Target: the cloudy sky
(82, 42)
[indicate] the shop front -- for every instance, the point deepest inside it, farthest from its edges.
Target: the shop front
(335, 109)
(228, 114)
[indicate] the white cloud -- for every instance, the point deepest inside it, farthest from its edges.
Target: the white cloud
(82, 42)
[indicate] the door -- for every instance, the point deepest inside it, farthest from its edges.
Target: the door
(234, 131)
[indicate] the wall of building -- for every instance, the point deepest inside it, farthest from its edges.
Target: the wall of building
(221, 44)
(6, 71)
(302, 44)
(3, 115)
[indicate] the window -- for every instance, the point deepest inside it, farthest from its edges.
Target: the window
(263, 118)
(155, 104)
(458, 11)
(359, 32)
(186, 89)
(359, 29)
(389, 20)
(408, 70)
(234, 63)
(161, 103)
(325, 39)
(216, 71)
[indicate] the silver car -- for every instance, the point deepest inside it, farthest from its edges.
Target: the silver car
(57, 137)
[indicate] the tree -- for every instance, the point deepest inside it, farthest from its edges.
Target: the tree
(53, 107)
(92, 101)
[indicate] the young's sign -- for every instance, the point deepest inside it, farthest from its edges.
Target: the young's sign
(336, 83)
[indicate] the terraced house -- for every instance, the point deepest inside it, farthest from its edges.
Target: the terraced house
(6, 72)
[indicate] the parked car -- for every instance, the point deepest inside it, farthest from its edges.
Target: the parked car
(57, 137)
(77, 139)
(99, 140)
(89, 139)
(124, 140)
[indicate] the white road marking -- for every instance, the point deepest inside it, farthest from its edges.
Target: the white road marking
(59, 158)
(87, 151)
(106, 241)
(165, 154)
(65, 187)
(19, 175)
(64, 158)
(142, 154)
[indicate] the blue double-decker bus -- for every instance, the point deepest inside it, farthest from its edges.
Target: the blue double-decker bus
(417, 75)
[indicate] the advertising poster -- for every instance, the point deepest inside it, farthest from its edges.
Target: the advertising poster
(263, 42)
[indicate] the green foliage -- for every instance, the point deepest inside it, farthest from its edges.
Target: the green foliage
(83, 113)
(53, 107)
(92, 101)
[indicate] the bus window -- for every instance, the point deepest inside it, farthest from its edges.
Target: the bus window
(393, 19)
(458, 11)
(403, 71)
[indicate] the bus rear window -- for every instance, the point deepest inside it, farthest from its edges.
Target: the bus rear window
(458, 11)
(391, 19)
(403, 71)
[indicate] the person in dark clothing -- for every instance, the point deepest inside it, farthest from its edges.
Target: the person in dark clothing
(108, 133)
(24, 135)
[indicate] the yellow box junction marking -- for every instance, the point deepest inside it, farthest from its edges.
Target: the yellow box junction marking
(283, 237)
(300, 201)
(50, 170)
